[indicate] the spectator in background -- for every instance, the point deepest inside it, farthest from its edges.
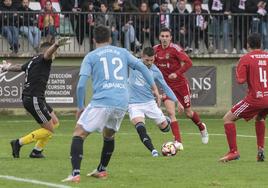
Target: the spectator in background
(8, 23)
(28, 25)
(43, 2)
(128, 22)
(162, 19)
(16, 4)
(144, 20)
(259, 22)
(172, 5)
(180, 25)
(107, 18)
(265, 22)
(217, 7)
(90, 23)
(154, 5)
(199, 22)
(49, 21)
(241, 25)
(77, 19)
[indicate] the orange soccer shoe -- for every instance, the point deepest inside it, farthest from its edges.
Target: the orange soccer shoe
(232, 155)
(71, 178)
(96, 174)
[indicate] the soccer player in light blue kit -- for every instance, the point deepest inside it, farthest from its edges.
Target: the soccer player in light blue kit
(108, 68)
(142, 102)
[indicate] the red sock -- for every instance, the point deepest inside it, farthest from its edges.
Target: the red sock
(197, 121)
(176, 130)
(230, 132)
(260, 133)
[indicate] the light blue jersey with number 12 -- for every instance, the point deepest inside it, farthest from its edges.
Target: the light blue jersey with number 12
(108, 68)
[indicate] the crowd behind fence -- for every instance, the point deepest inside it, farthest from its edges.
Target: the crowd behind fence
(22, 32)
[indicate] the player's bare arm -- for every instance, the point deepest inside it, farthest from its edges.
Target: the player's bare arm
(7, 66)
(156, 94)
(52, 49)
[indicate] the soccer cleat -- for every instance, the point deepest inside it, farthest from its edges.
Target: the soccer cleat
(15, 148)
(155, 153)
(36, 154)
(260, 155)
(230, 156)
(71, 178)
(178, 145)
(96, 174)
(204, 134)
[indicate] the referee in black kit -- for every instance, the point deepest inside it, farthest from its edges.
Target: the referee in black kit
(37, 72)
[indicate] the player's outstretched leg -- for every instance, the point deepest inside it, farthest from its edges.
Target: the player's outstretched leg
(106, 154)
(230, 132)
(145, 139)
(37, 151)
(31, 137)
(201, 126)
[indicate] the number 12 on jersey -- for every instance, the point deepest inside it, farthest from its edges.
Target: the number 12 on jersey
(118, 66)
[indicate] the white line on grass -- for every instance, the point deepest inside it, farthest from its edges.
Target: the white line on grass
(33, 181)
(70, 120)
(128, 134)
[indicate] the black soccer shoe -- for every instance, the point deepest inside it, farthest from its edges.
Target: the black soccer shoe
(260, 155)
(36, 154)
(15, 148)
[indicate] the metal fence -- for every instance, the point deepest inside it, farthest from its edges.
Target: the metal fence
(199, 34)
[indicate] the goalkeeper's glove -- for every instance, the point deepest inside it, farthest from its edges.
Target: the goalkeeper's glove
(62, 41)
(4, 66)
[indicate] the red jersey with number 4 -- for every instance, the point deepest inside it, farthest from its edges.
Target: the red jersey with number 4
(169, 60)
(252, 69)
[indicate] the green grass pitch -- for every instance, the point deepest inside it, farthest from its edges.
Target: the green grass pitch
(132, 164)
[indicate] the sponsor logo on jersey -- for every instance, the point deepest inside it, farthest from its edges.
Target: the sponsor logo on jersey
(262, 62)
(167, 55)
(259, 94)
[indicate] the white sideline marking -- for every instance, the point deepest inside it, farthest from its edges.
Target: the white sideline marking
(124, 133)
(68, 120)
(33, 181)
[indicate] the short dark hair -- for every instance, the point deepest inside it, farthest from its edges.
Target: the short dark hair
(149, 51)
(254, 41)
(102, 34)
(163, 2)
(105, 3)
(165, 29)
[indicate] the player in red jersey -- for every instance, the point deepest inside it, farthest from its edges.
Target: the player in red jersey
(252, 69)
(173, 62)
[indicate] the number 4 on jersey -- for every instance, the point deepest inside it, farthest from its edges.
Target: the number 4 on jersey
(263, 78)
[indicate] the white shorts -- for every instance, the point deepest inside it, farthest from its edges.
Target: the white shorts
(95, 119)
(149, 109)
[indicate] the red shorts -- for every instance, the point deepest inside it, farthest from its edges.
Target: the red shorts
(248, 111)
(183, 95)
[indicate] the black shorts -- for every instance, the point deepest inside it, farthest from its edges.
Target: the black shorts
(38, 107)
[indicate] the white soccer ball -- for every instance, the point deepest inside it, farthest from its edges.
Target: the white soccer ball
(168, 149)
